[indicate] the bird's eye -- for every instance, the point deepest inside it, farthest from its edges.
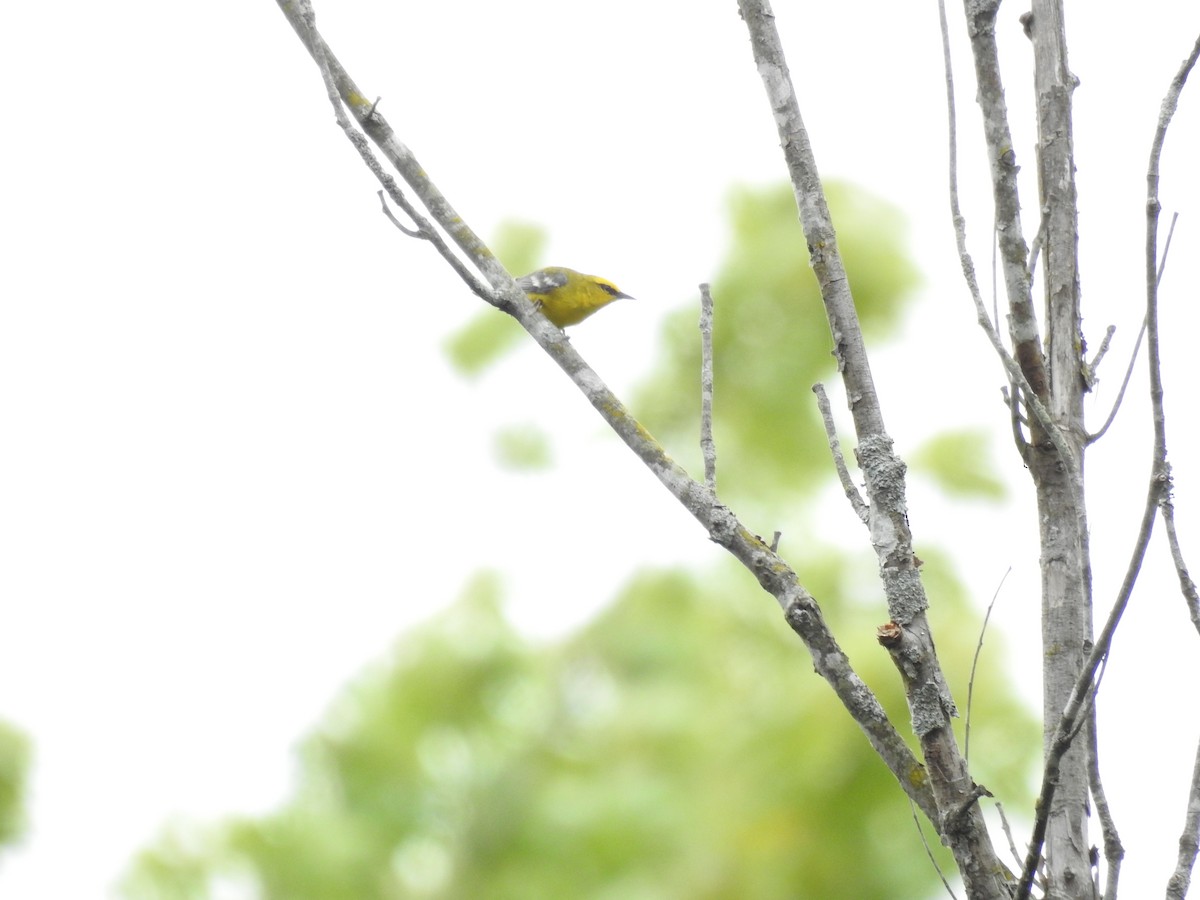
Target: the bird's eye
(610, 288)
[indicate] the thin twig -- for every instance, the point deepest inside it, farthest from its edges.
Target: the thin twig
(1157, 491)
(387, 211)
(707, 446)
(1039, 241)
(975, 664)
(1090, 368)
(1008, 833)
(1190, 595)
(1114, 852)
(1137, 344)
(1189, 840)
(929, 851)
(1011, 395)
(1112, 413)
(839, 461)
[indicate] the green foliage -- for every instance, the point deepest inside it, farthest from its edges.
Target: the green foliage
(523, 448)
(179, 867)
(519, 245)
(771, 342)
(960, 463)
(487, 337)
(15, 755)
(677, 747)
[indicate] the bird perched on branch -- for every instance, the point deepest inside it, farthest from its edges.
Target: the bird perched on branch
(567, 297)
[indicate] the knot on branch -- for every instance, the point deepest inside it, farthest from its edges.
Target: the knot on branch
(802, 615)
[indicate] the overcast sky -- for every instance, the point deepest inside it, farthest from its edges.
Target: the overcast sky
(234, 463)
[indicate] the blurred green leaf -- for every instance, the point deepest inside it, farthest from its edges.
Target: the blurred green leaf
(960, 463)
(519, 245)
(15, 757)
(478, 344)
(678, 747)
(771, 343)
(523, 448)
(489, 335)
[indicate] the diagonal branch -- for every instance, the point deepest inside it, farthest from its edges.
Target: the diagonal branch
(839, 460)
(1137, 344)
(772, 572)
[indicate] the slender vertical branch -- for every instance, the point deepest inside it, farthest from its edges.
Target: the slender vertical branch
(1161, 475)
(1189, 840)
(1114, 851)
(975, 664)
(1186, 585)
(1002, 159)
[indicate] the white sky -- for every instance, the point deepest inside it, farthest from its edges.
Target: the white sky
(234, 463)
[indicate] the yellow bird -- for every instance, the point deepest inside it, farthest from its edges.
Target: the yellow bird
(567, 297)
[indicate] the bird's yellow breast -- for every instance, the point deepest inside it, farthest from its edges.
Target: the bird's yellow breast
(567, 297)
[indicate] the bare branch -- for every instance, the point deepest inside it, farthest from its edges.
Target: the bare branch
(1137, 344)
(1007, 829)
(929, 852)
(387, 211)
(707, 447)
(1112, 413)
(1153, 271)
(1089, 369)
(1023, 328)
(839, 461)
(1011, 395)
(1189, 840)
(1186, 585)
(975, 665)
(1114, 852)
(1039, 241)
